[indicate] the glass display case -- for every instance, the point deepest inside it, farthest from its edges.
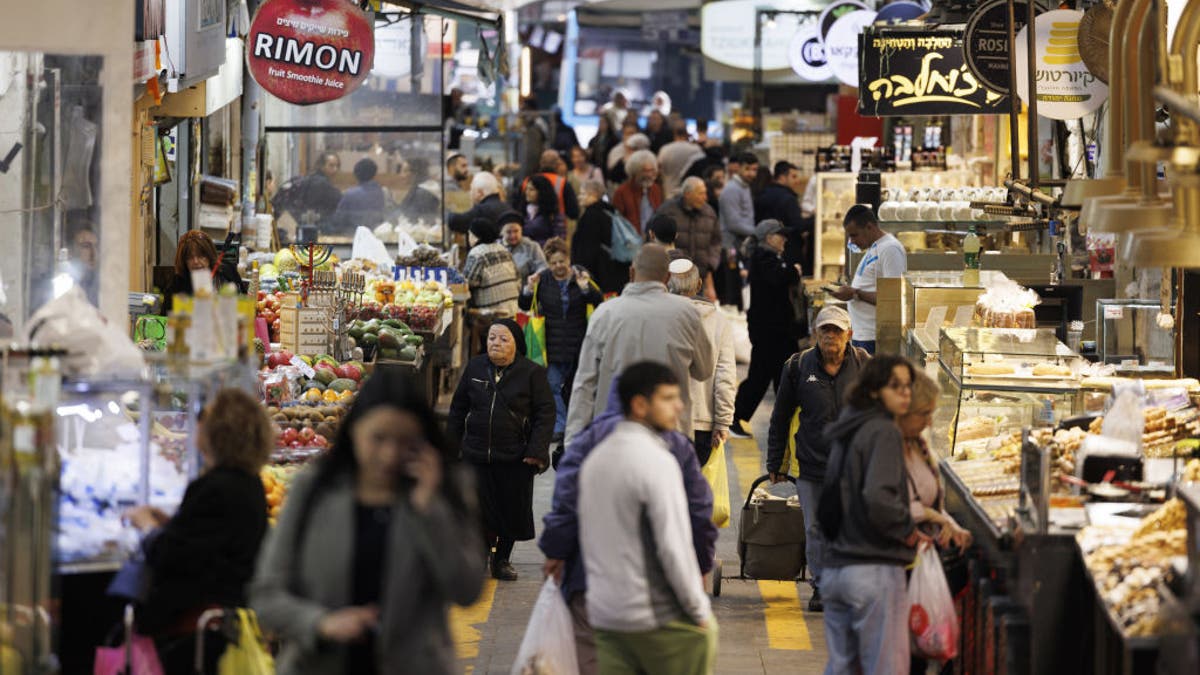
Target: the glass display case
(997, 381)
(102, 438)
(932, 301)
(1130, 337)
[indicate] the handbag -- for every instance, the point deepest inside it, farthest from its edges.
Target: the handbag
(134, 580)
(249, 654)
(535, 333)
(135, 656)
(717, 475)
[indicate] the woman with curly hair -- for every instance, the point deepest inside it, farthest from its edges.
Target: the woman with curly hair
(197, 252)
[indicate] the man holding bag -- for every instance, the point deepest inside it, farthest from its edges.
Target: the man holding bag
(560, 537)
(646, 598)
(811, 391)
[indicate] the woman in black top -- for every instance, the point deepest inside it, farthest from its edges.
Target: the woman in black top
(591, 247)
(503, 412)
(196, 252)
(563, 295)
(203, 556)
(376, 540)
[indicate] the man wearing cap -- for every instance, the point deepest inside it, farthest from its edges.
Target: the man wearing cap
(769, 320)
(813, 384)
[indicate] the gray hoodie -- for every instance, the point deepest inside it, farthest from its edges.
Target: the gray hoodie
(876, 519)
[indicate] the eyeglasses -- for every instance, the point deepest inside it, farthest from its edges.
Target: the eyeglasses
(899, 386)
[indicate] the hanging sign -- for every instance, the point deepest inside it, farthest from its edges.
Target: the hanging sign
(918, 71)
(841, 44)
(1066, 89)
(985, 42)
(806, 54)
(310, 51)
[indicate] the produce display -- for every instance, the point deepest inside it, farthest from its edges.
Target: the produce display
(388, 339)
(267, 308)
(422, 256)
(276, 480)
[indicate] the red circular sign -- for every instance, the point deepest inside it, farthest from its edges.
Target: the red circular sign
(310, 51)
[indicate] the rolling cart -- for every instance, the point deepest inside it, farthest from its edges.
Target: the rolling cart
(771, 540)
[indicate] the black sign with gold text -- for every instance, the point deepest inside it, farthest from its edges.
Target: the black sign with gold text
(909, 71)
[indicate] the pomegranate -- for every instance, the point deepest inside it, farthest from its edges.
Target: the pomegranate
(310, 51)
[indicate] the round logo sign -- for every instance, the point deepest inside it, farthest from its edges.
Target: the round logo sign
(1066, 90)
(901, 10)
(985, 43)
(835, 11)
(841, 45)
(806, 54)
(310, 51)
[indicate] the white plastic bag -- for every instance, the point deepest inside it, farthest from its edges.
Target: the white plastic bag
(406, 243)
(369, 247)
(549, 644)
(932, 621)
(94, 346)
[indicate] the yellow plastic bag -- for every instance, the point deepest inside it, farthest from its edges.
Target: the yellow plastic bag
(718, 479)
(789, 454)
(249, 656)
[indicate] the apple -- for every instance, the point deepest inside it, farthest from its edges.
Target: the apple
(262, 295)
(307, 435)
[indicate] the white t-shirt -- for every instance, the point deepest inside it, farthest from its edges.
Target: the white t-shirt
(885, 259)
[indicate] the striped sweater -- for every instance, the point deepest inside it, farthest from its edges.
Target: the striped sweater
(492, 276)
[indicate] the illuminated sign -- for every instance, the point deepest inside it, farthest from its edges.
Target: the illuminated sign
(906, 71)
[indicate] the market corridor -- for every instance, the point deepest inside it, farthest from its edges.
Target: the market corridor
(763, 628)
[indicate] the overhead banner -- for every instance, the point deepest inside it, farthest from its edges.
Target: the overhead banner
(917, 71)
(310, 51)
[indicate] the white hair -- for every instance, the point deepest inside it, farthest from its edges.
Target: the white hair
(638, 161)
(593, 187)
(692, 183)
(638, 142)
(685, 283)
(485, 183)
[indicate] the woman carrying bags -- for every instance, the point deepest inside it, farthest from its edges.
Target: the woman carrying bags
(503, 413)
(376, 540)
(926, 495)
(561, 295)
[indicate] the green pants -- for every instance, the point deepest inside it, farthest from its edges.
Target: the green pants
(678, 648)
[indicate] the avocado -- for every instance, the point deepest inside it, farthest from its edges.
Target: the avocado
(395, 323)
(414, 340)
(409, 353)
(356, 332)
(316, 383)
(370, 339)
(389, 354)
(324, 377)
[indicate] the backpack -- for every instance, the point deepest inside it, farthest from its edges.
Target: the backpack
(625, 239)
(290, 198)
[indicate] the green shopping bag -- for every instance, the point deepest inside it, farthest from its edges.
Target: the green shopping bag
(535, 333)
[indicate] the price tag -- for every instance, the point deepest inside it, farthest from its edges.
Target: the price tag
(963, 315)
(1114, 312)
(1130, 363)
(305, 369)
(934, 321)
(24, 439)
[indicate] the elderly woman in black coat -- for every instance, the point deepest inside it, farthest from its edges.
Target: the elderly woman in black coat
(503, 412)
(562, 295)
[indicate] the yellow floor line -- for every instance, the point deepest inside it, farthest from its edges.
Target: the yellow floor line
(466, 623)
(786, 629)
(785, 620)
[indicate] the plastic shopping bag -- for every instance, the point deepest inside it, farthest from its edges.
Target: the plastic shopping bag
(549, 644)
(932, 620)
(718, 479)
(367, 246)
(535, 334)
(143, 658)
(249, 655)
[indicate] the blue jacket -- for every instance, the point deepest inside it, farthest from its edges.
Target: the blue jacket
(560, 537)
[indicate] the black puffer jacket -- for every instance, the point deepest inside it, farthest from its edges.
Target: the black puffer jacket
(503, 421)
(564, 331)
(770, 280)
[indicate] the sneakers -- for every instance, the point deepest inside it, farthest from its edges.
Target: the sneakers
(814, 603)
(738, 430)
(504, 571)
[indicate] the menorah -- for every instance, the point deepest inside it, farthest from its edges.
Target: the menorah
(309, 257)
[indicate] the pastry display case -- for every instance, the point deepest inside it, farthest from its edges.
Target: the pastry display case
(1135, 336)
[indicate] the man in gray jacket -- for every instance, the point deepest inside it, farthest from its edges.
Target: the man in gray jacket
(645, 324)
(737, 204)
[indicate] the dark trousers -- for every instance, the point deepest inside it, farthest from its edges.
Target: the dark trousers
(768, 352)
(727, 279)
(704, 446)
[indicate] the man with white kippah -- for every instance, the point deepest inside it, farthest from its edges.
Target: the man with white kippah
(811, 389)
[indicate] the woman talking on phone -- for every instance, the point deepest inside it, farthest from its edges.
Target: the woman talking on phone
(374, 544)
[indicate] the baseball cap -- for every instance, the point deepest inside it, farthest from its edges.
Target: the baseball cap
(766, 227)
(832, 315)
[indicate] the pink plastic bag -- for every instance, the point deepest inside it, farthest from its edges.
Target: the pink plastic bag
(932, 620)
(143, 658)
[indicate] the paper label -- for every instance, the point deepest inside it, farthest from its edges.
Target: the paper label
(963, 315)
(305, 369)
(933, 322)
(1114, 312)
(24, 439)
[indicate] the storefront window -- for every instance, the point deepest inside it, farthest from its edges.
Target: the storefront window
(49, 180)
